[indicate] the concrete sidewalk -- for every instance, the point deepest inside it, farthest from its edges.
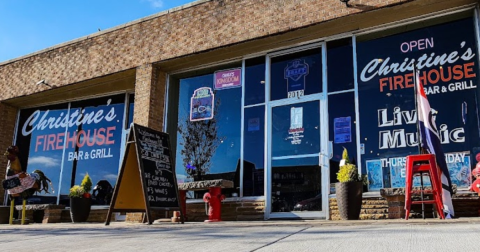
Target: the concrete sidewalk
(280, 235)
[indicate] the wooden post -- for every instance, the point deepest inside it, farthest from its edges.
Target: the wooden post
(12, 207)
(23, 211)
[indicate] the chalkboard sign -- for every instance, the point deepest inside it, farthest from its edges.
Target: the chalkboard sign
(155, 160)
(147, 176)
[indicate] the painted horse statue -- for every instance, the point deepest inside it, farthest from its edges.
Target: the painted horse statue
(21, 184)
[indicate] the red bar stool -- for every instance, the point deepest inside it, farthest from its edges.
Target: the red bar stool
(420, 164)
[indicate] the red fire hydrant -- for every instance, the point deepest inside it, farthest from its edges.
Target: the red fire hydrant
(214, 198)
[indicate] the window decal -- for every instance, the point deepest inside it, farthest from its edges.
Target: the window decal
(201, 105)
(295, 73)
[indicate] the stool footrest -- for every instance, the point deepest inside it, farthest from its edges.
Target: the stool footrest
(425, 192)
(424, 202)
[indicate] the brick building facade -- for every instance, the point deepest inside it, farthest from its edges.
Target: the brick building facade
(139, 57)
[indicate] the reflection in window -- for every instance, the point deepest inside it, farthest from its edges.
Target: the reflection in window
(340, 65)
(253, 151)
(208, 149)
(254, 81)
(296, 185)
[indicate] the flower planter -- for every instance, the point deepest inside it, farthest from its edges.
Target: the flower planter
(349, 199)
(80, 209)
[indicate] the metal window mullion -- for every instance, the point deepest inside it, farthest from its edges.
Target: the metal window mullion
(254, 105)
(63, 156)
(267, 140)
(242, 128)
(324, 135)
(357, 109)
(165, 105)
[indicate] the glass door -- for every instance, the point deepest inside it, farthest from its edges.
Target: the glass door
(295, 189)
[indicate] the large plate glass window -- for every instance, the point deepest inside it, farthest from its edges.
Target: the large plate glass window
(68, 140)
(447, 61)
(208, 123)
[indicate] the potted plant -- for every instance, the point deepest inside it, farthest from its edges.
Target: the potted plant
(81, 200)
(349, 189)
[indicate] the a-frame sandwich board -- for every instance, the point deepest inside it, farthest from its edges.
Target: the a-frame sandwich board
(147, 176)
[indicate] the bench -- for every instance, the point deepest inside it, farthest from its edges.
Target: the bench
(44, 213)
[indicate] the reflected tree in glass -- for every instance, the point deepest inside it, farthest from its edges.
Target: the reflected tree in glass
(200, 141)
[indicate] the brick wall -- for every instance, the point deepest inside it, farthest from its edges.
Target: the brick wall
(149, 96)
(372, 209)
(231, 211)
(200, 27)
(96, 215)
(8, 116)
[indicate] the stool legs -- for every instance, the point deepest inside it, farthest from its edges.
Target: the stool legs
(417, 164)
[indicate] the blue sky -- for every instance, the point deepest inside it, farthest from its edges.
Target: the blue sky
(27, 26)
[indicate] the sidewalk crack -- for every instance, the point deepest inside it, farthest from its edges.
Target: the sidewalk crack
(268, 244)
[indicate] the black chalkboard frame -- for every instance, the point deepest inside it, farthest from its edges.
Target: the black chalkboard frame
(133, 142)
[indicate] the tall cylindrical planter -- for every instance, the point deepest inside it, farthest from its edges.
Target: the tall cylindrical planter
(80, 209)
(349, 199)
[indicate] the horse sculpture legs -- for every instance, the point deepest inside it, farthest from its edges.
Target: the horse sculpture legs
(12, 208)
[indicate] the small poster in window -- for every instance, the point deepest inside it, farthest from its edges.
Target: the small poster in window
(254, 124)
(228, 79)
(374, 171)
(342, 129)
(398, 173)
(296, 125)
(458, 164)
(201, 104)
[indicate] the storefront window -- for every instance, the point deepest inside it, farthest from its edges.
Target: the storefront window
(342, 123)
(41, 146)
(340, 65)
(97, 150)
(208, 132)
(87, 138)
(253, 151)
(447, 61)
(295, 75)
(254, 81)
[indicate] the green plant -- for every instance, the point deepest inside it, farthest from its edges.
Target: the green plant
(82, 190)
(86, 183)
(76, 192)
(349, 172)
